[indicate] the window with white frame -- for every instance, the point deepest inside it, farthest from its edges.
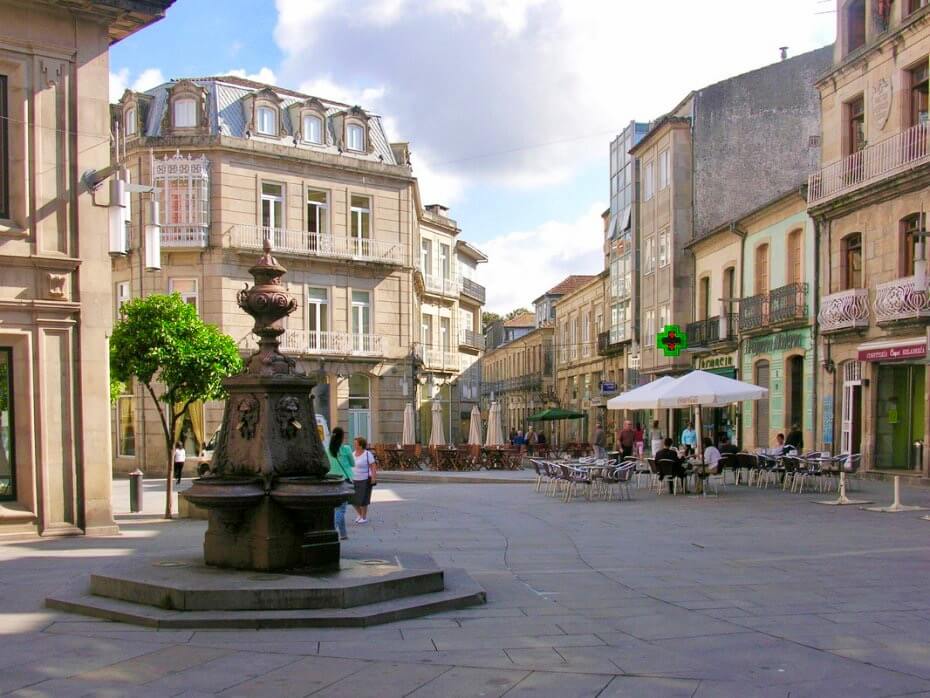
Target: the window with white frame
(185, 113)
(312, 131)
(187, 288)
(586, 334)
(648, 180)
(663, 170)
(126, 426)
(182, 184)
(426, 330)
(360, 224)
(467, 320)
(123, 295)
(664, 317)
(267, 121)
(361, 321)
(426, 257)
(316, 212)
(130, 124)
(663, 248)
(355, 137)
(573, 338)
(272, 207)
(649, 263)
(444, 263)
(445, 332)
(650, 325)
(318, 319)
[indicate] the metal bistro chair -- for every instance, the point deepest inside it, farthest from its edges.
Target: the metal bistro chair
(728, 462)
(745, 462)
(577, 478)
(618, 478)
(542, 475)
(669, 469)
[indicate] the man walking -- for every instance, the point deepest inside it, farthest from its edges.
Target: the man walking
(627, 438)
(600, 442)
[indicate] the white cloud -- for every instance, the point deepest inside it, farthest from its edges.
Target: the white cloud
(524, 93)
(264, 74)
(525, 264)
(146, 80)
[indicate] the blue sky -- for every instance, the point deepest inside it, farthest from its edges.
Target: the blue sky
(509, 105)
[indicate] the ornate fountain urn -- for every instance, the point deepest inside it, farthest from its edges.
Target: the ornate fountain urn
(269, 499)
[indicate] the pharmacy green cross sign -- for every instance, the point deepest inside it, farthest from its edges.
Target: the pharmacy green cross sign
(671, 340)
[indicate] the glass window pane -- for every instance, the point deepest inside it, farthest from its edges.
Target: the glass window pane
(126, 420)
(313, 129)
(7, 455)
(185, 113)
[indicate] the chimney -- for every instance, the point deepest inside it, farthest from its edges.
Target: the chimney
(784, 52)
(438, 209)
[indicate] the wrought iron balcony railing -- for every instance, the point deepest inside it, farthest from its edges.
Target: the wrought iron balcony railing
(902, 299)
(326, 343)
(788, 304)
(441, 285)
(845, 310)
(707, 332)
(439, 358)
(470, 339)
(753, 312)
(871, 164)
(284, 241)
(473, 289)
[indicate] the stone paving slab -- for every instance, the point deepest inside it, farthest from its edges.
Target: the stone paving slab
(665, 596)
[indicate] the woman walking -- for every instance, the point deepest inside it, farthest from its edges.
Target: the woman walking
(341, 463)
(364, 477)
(179, 457)
(657, 437)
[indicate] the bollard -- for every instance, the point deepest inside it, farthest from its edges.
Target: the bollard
(135, 490)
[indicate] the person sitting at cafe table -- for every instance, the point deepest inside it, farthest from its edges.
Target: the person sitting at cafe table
(779, 448)
(711, 455)
(726, 446)
(670, 454)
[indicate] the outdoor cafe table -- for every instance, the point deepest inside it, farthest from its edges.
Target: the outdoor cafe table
(446, 457)
(493, 457)
(393, 458)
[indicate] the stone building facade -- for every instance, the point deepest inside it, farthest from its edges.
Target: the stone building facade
(55, 291)
(234, 163)
(580, 318)
(868, 200)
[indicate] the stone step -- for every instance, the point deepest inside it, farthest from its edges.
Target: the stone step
(187, 584)
(460, 591)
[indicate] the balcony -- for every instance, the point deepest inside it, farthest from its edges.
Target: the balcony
(473, 290)
(441, 285)
(788, 304)
(439, 359)
(871, 164)
(902, 300)
(332, 344)
(184, 236)
(705, 333)
(295, 242)
(606, 346)
(753, 312)
(846, 310)
(471, 340)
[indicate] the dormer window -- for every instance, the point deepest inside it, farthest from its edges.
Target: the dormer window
(312, 130)
(267, 119)
(355, 137)
(185, 113)
(855, 25)
(130, 122)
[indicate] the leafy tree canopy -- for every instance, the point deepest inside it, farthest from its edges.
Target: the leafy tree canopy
(162, 339)
(516, 311)
(488, 318)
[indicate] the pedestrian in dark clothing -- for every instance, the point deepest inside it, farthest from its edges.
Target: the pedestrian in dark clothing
(670, 454)
(627, 439)
(795, 438)
(726, 446)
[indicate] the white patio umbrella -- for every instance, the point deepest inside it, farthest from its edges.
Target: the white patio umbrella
(474, 427)
(495, 435)
(436, 436)
(409, 437)
(702, 389)
(644, 397)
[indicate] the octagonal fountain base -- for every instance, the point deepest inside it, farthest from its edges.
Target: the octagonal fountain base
(186, 593)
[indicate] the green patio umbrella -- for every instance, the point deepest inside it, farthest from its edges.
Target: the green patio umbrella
(554, 414)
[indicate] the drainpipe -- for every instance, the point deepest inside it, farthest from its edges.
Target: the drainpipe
(739, 232)
(815, 312)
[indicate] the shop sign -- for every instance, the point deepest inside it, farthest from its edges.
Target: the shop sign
(705, 363)
(907, 351)
(598, 402)
(774, 342)
(827, 420)
(608, 387)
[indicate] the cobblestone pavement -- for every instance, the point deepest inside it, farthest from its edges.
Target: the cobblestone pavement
(754, 593)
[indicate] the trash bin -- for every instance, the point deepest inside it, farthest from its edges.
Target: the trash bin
(135, 490)
(917, 455)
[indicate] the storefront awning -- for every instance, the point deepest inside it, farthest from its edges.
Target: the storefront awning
(899, 349)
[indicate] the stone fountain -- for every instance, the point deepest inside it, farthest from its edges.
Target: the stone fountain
(269, 499)
(271, 555)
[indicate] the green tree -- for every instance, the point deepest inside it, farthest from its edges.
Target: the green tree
(162, 342)
(513, 313)
(488, 318)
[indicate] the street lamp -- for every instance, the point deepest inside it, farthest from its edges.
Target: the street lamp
(152, 232)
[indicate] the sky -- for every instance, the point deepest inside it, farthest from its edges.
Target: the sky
(509, 105)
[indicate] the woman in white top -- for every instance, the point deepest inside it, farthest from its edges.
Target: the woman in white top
(364, 477)
(657, 438)
(179, 457)
(711, 455)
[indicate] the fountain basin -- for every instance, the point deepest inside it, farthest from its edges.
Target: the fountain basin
(225, 493)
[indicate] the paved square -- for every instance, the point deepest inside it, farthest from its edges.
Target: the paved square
(754, 593)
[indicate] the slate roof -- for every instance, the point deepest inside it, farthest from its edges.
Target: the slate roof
(569, 284)
(521, 320)
(227, 116)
